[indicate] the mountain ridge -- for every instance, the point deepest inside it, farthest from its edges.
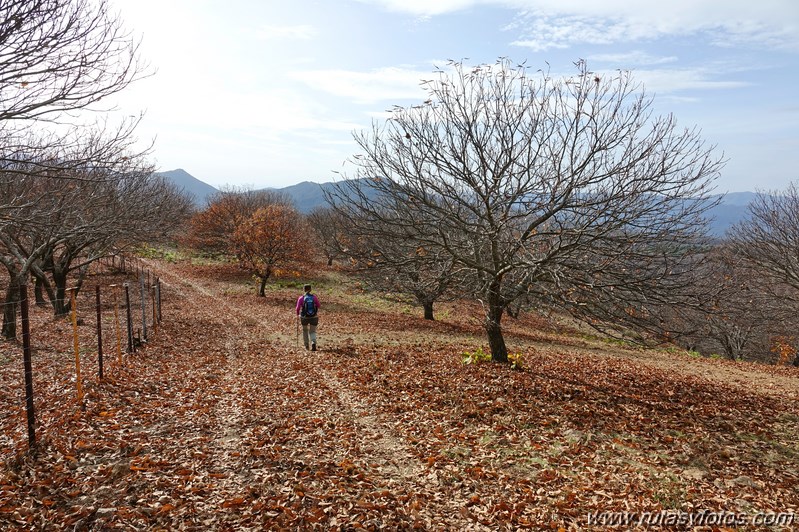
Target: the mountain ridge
(308, 195)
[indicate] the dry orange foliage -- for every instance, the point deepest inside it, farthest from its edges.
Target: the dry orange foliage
(273, 240)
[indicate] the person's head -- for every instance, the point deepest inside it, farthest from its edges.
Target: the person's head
(307, 288)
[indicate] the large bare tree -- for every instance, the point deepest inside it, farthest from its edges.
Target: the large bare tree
(568, 190)
(768, 240)
(58, 56)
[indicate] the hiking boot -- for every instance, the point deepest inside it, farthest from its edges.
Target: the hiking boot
(313, 346)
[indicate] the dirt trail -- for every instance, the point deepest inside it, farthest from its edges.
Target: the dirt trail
(290, 442)
(263, 370)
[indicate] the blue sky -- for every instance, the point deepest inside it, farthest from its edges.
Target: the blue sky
(268, 93)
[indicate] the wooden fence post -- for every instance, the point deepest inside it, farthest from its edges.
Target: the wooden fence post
(76, 343)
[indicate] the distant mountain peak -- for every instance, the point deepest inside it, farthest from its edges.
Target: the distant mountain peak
(198, 190)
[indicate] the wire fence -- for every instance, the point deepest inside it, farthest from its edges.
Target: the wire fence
(109, 319)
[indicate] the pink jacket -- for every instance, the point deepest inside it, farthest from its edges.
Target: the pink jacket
(315, 302)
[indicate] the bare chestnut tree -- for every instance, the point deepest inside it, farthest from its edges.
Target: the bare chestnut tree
(769, 237)
(569, 190)
(402, 266)
(58, 56)
(67, 221)
(118, 213)
(738, 315)
(330, 234)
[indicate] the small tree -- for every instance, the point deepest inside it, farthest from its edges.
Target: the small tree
(211, 229)
(271, 240)
(398, 265)
(567, 190)
(769, 237)
(330, 233)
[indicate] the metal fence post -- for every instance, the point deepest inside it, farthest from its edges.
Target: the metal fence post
(131, 347)
(99, 334)
(154, 309)
(143, 309)
(116, 326)
(26, 356)
(158, 294)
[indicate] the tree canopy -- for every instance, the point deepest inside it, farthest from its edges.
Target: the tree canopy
(566, 192)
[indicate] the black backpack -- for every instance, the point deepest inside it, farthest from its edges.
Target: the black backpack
(308, 306)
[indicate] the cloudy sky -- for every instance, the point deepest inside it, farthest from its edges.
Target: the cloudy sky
(267, 93)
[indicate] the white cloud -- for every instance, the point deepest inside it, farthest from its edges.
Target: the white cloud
(672, 14)
(384, 84)
(663, 81)
(425, 8)
(635, 57)
(560, 23)
(301, 32)
(542, 32)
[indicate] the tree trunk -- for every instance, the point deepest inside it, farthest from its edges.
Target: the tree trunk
(10, 309)
(43, 285)
(38, 293)
(262, 288)
(428, 310)
(330, 261)
(265, 277)
(499, 352)
(60, 303)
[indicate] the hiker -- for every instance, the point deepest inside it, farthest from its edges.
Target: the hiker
(308, 313)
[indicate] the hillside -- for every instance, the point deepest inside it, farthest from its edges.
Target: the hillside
(222, 422)
(308, 195)
(198, 190)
